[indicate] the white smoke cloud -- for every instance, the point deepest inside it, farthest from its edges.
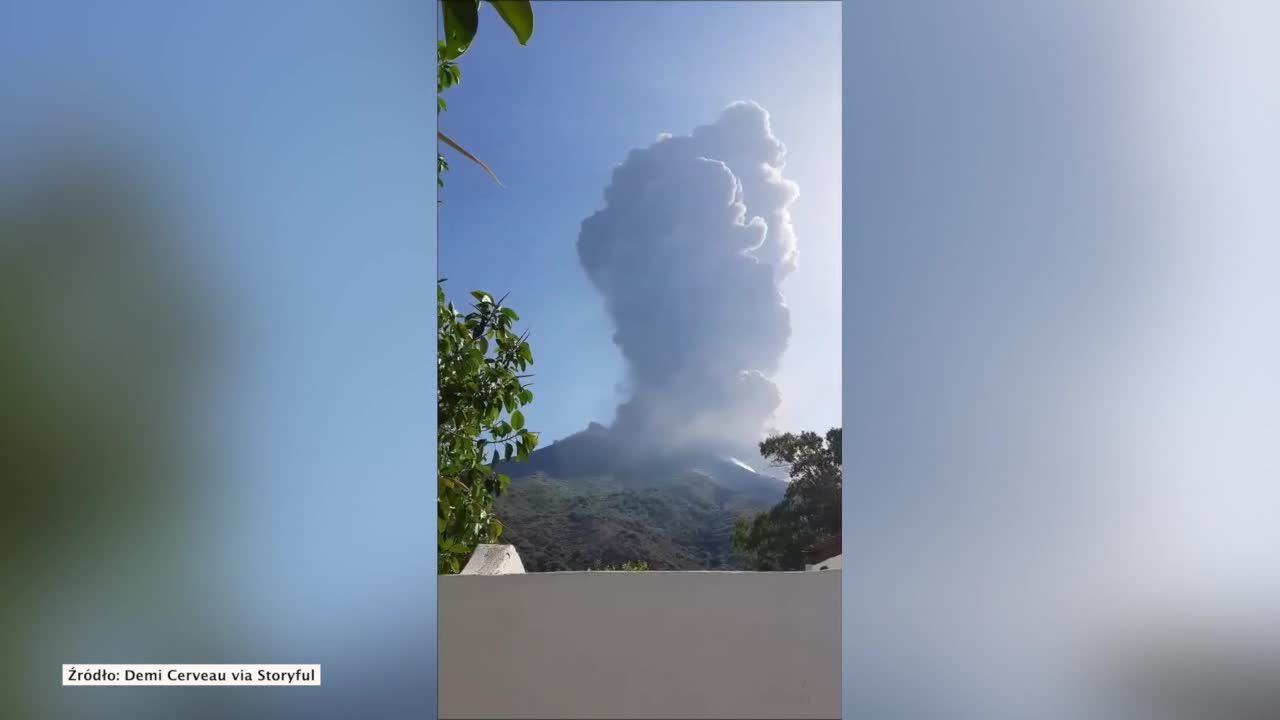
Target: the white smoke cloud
(688, 252)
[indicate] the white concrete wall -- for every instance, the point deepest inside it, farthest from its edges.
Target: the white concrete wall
(640, 645)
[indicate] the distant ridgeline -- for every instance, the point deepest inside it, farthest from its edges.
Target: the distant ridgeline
(577, 504)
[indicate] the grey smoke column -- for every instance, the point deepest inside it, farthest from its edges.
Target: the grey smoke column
(688, 252)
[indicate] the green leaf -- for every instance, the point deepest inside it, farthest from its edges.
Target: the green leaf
(517, 420)
(518, 14)
(461, 20)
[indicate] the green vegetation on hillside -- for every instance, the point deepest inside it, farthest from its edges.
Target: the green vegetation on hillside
(625, 567)
(590, 523)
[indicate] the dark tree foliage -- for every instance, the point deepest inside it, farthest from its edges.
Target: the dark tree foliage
(779, 538)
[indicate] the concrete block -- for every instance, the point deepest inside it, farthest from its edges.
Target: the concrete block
(494, 560)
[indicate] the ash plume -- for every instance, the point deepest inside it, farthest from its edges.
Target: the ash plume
(688, 254)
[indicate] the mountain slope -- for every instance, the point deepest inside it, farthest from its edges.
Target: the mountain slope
(579, 502)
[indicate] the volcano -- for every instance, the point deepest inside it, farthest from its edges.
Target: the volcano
(592, 500)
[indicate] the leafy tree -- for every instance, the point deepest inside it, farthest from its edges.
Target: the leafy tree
(480, 358)
(809, 513)
(461, 19)
(481, 362)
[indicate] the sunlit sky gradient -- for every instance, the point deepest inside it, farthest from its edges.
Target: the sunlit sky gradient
(553, 119)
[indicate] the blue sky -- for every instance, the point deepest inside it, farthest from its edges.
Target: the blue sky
(553, 119)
